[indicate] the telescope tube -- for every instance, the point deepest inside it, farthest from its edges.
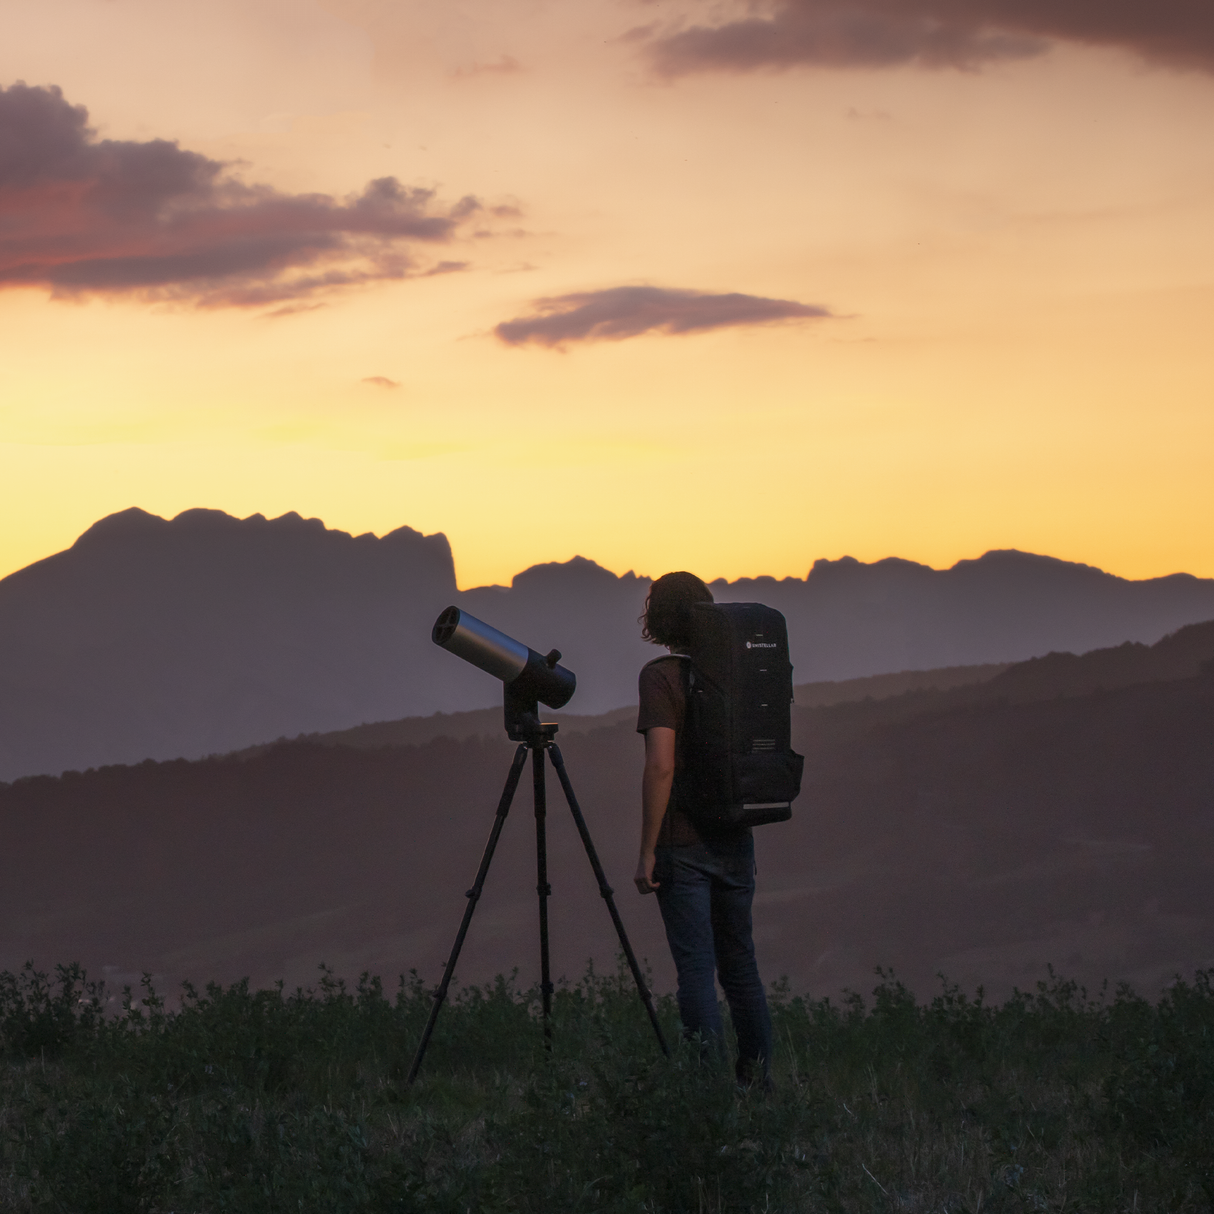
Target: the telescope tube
(527, 675)
(481, 644)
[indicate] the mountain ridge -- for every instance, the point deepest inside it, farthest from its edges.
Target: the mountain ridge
(155, 638)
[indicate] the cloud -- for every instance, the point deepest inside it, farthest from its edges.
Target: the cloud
(936, 34)
(446, 267)
(621, 312)
(84, 216)
(504, 65)
(382, 381)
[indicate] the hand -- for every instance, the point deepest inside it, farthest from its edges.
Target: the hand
(644, 879)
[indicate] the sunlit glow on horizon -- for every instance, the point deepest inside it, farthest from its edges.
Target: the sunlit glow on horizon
(1016, 261)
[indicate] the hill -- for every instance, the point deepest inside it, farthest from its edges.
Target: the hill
(1180, 655)
(487, 722)
(983, 831)
(153, 639)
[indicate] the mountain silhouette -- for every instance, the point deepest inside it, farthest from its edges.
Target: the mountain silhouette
(151, 638)
(984, 830)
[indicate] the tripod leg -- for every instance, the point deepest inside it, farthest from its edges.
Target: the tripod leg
(541, 886)
(606, 891)
(503, 808)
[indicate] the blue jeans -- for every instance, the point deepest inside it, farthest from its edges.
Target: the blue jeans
(705, 891)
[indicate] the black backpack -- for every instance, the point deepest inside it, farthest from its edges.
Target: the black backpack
(739, 768)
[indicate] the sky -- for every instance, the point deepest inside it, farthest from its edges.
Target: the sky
(662, 283)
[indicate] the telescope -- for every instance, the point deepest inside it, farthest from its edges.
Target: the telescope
(529, 678)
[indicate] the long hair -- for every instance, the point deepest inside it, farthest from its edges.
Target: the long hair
(666, 619)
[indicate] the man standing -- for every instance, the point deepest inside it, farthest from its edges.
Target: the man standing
(704, 881)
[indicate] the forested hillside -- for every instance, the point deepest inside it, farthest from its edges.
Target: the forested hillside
(979, 831)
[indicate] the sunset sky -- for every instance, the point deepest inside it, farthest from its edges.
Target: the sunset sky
(727, 287)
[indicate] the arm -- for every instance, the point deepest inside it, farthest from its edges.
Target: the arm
(655, 795)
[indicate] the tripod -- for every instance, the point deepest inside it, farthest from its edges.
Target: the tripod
(524, 727)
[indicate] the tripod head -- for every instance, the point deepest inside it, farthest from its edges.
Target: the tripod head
(524, 725)
(530, 678)
(520, 702)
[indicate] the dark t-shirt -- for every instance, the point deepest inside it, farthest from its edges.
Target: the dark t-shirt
(663, 697)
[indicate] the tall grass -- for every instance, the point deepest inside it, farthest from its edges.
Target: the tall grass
(252, 1101)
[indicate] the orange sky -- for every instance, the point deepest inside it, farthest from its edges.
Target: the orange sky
(1013, 250)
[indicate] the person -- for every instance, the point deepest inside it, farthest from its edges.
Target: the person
(704, 881)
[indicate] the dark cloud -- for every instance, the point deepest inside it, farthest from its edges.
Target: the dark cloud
(937, 33)
(80, 215)
(382, 381)
(446, 267)
(621, 312)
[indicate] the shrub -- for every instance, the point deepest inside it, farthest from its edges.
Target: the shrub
(251, 1101)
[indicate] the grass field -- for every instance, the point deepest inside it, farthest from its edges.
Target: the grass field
(251, 1101)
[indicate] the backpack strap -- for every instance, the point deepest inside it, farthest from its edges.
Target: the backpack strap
(666, 656)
